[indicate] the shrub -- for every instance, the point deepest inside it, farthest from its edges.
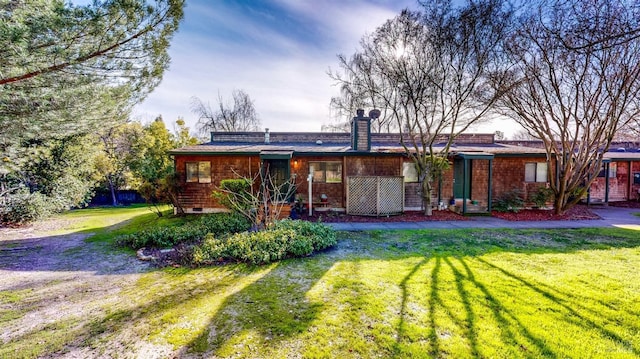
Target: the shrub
(234, 193)
(510, 201)
(23, 207)
(541, 196)
(217, 224)
(285, 239)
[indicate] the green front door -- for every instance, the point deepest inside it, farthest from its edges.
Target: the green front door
(279, 176)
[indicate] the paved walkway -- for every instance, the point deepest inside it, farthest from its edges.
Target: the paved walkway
(611, 217)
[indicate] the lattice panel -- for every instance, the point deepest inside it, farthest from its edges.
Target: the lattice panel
(375, 196)
(390, 195)
(362, 195)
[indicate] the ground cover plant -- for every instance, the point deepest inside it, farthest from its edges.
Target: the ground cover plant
(177, 232)
(284, 239)
(449, 293)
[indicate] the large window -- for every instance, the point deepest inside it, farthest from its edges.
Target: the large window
(328, 172)
(409, 172)
(535, 172)
(199, 171)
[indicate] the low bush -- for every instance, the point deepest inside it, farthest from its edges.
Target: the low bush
(218, 224)
(541, 196)
(510, 201)
(285, 239)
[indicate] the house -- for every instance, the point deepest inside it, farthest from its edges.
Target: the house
(369, 173)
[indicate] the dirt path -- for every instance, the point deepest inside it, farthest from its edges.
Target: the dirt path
(48, 280)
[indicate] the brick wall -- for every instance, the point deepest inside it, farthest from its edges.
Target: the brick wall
(336, 137)
(618, 185)
(508, 175)
(198, 195)
(480, 181)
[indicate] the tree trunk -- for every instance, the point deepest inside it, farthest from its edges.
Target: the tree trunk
(426, 197)
(114, 200)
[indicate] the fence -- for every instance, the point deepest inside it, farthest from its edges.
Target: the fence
(375, 196)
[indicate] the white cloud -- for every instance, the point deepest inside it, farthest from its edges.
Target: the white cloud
(220, 49)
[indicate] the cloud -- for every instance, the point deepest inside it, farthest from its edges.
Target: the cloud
(278, 52)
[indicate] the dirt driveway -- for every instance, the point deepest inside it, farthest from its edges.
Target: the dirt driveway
(60, 281)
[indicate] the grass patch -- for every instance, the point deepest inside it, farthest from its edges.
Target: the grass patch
(96, 219)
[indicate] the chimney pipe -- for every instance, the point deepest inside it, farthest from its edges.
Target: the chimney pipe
(360, 113)
(266, 136)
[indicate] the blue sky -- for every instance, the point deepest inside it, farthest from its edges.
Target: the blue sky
(278, 51)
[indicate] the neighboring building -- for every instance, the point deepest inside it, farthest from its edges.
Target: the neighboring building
(368, 173)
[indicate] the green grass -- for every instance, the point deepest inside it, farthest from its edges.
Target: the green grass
(406, 294)
(96, 219)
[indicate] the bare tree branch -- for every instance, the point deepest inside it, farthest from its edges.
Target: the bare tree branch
(240, 115)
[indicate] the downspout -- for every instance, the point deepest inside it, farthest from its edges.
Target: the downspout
(310, 181)
(629, 182)
(606, 183)
(464, 186)
(489, 189)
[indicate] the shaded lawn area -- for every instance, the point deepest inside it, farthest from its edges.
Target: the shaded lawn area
(448, 293)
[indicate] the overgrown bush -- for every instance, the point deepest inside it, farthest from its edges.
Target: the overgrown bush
(285, 239)
(234, 193)
(510, 201)
(218, 224)
(23, 207)
(541, 196)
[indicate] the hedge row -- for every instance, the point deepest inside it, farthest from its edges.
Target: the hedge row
(285, 239)
(163, 237)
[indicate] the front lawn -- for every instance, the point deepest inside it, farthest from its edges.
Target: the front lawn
(449, 293)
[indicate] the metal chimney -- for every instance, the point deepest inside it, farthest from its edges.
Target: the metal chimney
(266, 136)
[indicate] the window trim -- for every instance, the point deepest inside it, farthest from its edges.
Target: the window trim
(199, 175)
(324, 171)
(536, 171)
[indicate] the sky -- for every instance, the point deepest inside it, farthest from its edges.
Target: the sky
(277, 51)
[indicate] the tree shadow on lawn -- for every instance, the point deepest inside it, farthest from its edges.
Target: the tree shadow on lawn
(275, 308)
(476, 300)
(75, 251)
(438, 298)
(268, 301)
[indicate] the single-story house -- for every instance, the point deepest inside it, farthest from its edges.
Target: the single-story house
(369, 173)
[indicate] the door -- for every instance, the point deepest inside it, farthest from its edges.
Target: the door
(278, 171)
(460, 183)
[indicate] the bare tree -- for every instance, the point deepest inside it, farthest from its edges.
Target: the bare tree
(523, 135)
(574, 84)
(430, 71)
(240, 115)
(259, 197)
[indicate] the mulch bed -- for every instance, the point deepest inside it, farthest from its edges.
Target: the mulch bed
(626, 204)
(408, 216)
(579, 212)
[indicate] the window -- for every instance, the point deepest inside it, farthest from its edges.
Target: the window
(613, 170)
(329, 172)
(409, 172)
(535, 172)
(199, 171)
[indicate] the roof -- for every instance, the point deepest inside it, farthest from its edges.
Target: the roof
(339, 144)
